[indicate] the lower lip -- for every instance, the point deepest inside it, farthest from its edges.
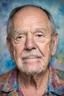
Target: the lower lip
(31, 57)
(31, 60)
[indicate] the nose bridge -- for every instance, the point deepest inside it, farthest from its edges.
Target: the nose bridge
(29, 41)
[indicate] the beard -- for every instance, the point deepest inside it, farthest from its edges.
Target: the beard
(33, 68)
(32, 63)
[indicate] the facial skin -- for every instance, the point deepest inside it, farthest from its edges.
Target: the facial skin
(31, 41)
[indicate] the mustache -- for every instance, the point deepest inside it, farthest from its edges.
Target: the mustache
(33, 54)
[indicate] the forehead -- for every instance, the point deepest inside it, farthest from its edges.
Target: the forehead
(30, 16)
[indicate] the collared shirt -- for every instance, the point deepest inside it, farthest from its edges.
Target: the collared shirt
(9, 84)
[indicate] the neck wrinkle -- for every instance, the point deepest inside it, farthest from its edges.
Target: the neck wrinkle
(33, 80)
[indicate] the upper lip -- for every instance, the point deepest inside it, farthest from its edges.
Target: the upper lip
(30, 57)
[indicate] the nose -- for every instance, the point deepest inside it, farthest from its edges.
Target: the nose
(30, 44)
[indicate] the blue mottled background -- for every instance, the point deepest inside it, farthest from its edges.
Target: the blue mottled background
(55, 7)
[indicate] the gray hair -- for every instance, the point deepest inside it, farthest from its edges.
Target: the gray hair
(15, 10)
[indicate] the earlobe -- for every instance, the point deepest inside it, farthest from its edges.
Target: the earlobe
(54, 43)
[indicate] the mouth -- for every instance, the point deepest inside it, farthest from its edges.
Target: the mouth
(30, 57)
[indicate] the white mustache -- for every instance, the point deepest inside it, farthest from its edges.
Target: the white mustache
(33, 54)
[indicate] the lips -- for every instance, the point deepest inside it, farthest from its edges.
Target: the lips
(30, 57)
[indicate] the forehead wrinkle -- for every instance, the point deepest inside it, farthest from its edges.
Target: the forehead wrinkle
(24, 14)
(31, 30)
(20, 30)
(39, 29)
(17, 32)
(30, 27)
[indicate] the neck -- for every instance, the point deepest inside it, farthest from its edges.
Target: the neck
(33, 80)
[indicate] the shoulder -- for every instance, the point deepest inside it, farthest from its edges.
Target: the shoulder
(3, 78)
(57, 81)
(60, 77)
(57, 77)
(60, 74)
(57, 73)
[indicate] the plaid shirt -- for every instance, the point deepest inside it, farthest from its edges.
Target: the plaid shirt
(9, 85)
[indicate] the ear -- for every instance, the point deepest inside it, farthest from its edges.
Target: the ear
(54, 43)
(9, 46)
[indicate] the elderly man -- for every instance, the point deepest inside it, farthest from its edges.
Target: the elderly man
(31, 40)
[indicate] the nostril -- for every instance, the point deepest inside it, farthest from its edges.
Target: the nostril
(29, 49)
(29, 45)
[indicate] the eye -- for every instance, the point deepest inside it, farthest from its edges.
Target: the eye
(20, 37)
(39, 35)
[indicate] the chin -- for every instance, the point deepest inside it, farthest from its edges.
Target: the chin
(32, 71)
(32, 68)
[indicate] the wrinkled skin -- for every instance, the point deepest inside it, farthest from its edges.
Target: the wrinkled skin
(31, 41)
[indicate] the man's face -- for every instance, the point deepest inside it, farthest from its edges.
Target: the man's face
(31, 40)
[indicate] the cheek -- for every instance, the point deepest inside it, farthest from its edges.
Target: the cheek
(17, 50)
(44, 48)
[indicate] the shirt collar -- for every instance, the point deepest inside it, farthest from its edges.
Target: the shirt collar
(55, 85)
(11, 82)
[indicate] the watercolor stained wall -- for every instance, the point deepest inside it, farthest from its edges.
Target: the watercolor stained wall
(55, 7)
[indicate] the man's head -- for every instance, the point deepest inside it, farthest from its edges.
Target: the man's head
(31, 38)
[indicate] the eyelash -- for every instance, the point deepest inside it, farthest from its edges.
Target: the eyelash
(20, 37)
(39, 34)
(36, 34)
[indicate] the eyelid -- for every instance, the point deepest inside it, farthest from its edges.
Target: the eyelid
(18, 36)
(21, 34)
(39, 32)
